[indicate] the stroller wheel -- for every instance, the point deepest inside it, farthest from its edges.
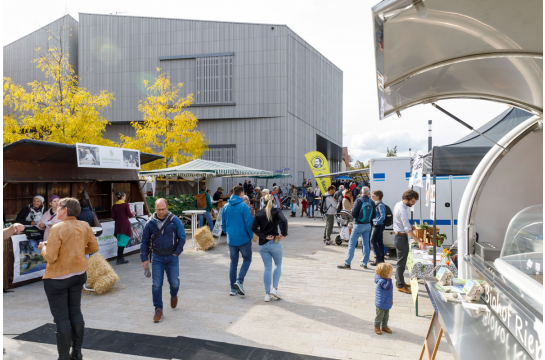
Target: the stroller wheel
(338, 240)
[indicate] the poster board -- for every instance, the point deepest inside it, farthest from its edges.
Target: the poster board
(216, 232)
(106, 157)
(433, 338)
(107, 242)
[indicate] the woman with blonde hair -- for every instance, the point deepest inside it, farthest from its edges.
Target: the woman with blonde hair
(265, 226)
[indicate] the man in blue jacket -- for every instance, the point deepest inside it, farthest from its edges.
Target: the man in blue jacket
(378, 222)
(165, 232)
(236, 222)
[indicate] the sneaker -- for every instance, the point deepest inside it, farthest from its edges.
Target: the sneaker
(233, 292)
(275, 293)
(240, 288)
(387, 330)
(343, 266)
(404, 290)
(364, 266)
(158, 315)
(377, 330)
(173, 302)
(267, 297)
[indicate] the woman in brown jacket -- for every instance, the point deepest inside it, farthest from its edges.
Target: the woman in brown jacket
(65, 274)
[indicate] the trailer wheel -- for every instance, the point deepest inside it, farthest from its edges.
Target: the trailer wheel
(338, 240)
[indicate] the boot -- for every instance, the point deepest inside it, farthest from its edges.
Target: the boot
(64, 341)
(77, 341)
(120, 259)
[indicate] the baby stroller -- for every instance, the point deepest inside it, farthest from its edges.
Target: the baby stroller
(344, 217)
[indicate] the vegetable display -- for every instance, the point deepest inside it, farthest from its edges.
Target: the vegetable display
(176, 204)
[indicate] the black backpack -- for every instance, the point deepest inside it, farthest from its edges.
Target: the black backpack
(389, 219)
(322, 207)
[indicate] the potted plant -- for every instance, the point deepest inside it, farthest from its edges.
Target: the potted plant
(441, 239)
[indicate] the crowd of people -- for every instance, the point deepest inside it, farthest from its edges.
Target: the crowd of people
(250, 215)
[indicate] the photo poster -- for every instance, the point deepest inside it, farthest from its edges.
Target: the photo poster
(432, 193)
(216, 232)
(428, 185)
(107, 242)
(432, 211)
(416, 172)
(106, 157)
(28, 261)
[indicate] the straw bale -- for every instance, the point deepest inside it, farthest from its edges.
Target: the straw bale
(100, 274)
(204, 238)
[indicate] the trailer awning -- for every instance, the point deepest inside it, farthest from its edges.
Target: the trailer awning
(442, 49)
(206, 168)
(274, 176)
(463, 156)
(349, 172)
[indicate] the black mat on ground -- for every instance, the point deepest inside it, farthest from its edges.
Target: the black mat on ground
(161, 347)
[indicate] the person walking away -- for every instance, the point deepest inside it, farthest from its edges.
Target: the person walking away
(121, 212)
(304, 209)
(317, 196)
(347, 200)
(163, 241)
(65, 274)
(402, 231)
(294, 201)
(378, 231)
(49, 218)
(304, 187)
(86, 213)
(384, 297)
(262, 203)
(362, 213)
(310, 199)
(204, 202)
(245, 187)
(31, 214)
(330, 208)
(339, 194)
(237, 224)
(265, 226)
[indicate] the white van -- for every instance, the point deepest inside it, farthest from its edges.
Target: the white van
(391, 176)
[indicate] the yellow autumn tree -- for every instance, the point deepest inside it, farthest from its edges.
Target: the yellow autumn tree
(166, 126)
(55, 109)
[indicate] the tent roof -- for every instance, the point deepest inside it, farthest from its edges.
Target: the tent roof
(343, 177)
(463, 156)
(206, 168)
(274, 176)
(348, 172)
(430, 50)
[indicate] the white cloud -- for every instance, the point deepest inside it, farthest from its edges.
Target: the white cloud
(373, 144)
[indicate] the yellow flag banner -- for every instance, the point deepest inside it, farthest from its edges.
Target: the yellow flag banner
(319, 166)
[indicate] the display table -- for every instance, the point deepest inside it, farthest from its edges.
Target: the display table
(420, 264)
(471, 334)
(194, 223)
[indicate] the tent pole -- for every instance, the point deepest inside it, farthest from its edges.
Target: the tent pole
(167, 186)
(434, 226)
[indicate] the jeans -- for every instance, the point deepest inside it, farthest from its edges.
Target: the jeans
(311, 208)
(246, 251)
(329, 223)
(363, 230)
(378, 244)
(304, 192)
(401, 243)
(159, 265)
(382, 318)
(293, 207)
(64, 298)
(269, 252)
(208, 220)
(316, 203)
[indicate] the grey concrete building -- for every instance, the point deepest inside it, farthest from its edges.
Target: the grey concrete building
(263, 96)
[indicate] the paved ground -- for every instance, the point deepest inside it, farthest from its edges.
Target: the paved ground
(324, 311)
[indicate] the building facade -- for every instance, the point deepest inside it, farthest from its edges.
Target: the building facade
(263, 96)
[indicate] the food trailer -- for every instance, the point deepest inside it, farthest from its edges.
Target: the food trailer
(428, 51)
(33, 167)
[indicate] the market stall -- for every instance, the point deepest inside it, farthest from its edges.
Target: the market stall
(33, 167)
(439, 49)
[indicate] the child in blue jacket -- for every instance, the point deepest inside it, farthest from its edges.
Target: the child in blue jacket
(384, 297)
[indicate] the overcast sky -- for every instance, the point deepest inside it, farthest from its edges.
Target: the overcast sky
(341, 31)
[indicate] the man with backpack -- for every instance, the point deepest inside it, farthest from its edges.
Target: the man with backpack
(380, 221)
(363, 216)
(203, 202)
(164, 237)
(328, 207)
(237, 222)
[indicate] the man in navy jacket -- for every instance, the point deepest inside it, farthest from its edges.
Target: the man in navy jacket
(166, 248)
(236, 222)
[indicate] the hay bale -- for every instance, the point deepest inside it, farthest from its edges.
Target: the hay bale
(204, 238)
(100, 274)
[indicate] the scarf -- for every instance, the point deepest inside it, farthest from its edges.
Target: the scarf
(119, 202)
(347, 198)
(159, 221)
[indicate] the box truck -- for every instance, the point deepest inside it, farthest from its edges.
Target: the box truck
(391, 175)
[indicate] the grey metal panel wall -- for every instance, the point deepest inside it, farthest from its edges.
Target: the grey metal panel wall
(18, 55)
(118, 52)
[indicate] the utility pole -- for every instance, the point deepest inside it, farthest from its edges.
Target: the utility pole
(429, 135)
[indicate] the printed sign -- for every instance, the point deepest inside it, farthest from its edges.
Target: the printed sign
(416, 172)
(28, 260)
(319, 166)
(107, 242)
(96, 156)
(428, 189)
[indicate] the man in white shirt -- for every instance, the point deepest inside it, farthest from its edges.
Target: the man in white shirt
(402, 230)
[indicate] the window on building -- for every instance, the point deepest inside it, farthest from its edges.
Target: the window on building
(214, 80)
(221, 153)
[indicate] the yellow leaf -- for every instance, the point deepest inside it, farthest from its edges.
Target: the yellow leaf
(158, 69)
